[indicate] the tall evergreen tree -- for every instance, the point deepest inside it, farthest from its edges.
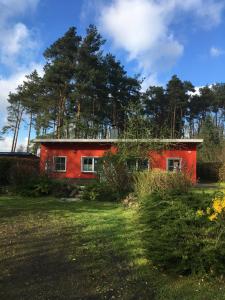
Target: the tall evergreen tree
(31, 101)
(89, 77)
(178, 97)
(62, 58)
(15, 115)
(213, 143)
(157, 110)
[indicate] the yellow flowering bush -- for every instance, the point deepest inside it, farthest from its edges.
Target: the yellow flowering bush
(179, 235)
(218, 207)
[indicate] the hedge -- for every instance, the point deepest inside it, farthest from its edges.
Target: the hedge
(15, 171)
(208, 171)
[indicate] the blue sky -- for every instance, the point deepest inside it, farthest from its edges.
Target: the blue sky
(155, 38)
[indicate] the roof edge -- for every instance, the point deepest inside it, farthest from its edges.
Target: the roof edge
(196, 141)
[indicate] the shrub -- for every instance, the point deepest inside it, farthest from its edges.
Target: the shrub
(113, 171)
(179, 235)
(4, 171)
(158, 180)
(222, 173)
(43, 186)
(39, 186)
(18, 171)
(63, 188)
(208, 171)
(100, 191)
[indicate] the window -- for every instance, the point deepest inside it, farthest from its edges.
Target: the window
(143, 164)
(174, 164)
(89, 164)
(131, 164)
(60, 163)
(137, 164)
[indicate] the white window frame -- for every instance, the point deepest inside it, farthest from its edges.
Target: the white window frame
(93, 164)
(61, 156)
(173, 158)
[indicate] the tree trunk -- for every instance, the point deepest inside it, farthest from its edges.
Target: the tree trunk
(60, 115)
(17, 132)
(16, 128)
(174, 121)
(29, 131)
(14, 134)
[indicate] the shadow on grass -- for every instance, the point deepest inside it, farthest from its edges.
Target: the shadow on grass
(52, 250)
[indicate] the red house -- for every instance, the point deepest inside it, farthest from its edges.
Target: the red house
(77, 158)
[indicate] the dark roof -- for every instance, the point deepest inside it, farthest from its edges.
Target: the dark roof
(17, 154)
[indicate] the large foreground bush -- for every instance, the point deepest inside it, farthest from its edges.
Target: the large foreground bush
(115, 175)
(158, 180)
(183, 234)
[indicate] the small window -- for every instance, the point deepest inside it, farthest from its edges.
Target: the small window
(60, 163)
(174, 164)
(143, 164)
(131, 164)
(137, 164)
(89, 164)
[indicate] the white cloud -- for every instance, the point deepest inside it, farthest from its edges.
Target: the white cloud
(16, 40)
(11, 8)
(9, 84)
(210, 11)
(18, 45)
(143, 28)
(6, 144)
(215, 52)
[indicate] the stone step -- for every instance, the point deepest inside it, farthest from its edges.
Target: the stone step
(70, 200)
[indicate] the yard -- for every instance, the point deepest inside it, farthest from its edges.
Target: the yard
(87, 250)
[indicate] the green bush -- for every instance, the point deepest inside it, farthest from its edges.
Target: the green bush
(222, 173)
(18, 171)
(43, 186)
(63, 188)
(4, 171)
(113, 171)
(208, 171)
(39, 186)
(177, 238)
(158, 180)
(100, 191)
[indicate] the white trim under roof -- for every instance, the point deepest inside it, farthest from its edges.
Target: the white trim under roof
(111, 141)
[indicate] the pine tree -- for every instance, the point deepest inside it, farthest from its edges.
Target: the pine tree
(15, 115)
(178, 96)
(213, 142)
(31, 100)
(62, 57)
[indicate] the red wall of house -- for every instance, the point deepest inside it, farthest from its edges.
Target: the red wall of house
(74, 153)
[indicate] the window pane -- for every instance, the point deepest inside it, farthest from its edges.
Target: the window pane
(174, 165)
(142, 164)
(60, 163)
(96, 164)
(87, 164)
(132, 164)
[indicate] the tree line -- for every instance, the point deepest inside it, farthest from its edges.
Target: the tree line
(85, 93)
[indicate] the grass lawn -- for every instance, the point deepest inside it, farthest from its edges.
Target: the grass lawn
(88, 250)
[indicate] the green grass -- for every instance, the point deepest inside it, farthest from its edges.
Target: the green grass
(88, 250)
(210, 188)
